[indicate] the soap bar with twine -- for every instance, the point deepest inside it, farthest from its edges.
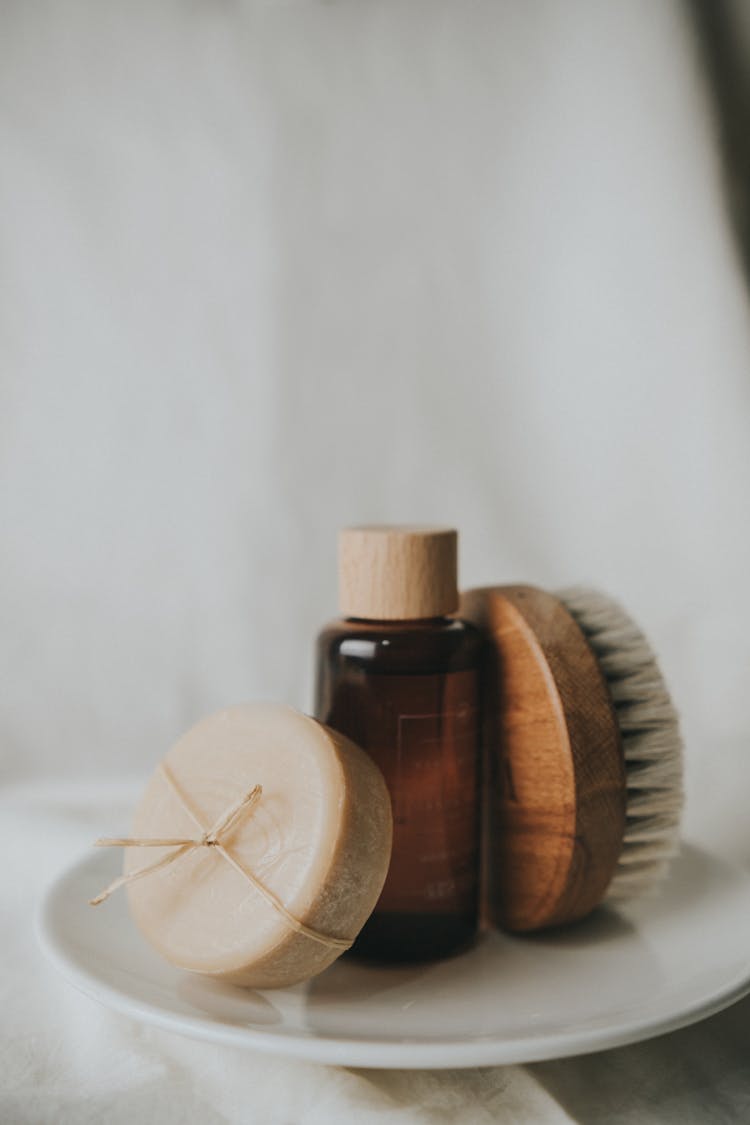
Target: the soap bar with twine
(259, 848)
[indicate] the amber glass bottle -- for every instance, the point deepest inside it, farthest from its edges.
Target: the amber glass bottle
(401, 678)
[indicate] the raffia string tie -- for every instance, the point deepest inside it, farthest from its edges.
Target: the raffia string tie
(209, 838)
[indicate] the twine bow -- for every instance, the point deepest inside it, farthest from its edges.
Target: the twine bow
(209, 838)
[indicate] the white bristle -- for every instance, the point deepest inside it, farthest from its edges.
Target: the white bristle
(651, 741)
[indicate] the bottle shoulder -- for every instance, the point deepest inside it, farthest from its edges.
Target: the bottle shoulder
(437, 645)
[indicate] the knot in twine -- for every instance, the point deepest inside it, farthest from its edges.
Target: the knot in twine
(209, 838)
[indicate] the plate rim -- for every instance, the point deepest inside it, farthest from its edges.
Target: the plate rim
(405, 1054)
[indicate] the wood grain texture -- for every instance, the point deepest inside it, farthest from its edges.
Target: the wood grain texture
(555, 775)
(397, 572)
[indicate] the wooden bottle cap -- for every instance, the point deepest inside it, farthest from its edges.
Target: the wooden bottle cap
(556, 791)
(397, 573)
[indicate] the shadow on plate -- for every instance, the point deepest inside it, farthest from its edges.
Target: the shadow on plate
(228, 1003)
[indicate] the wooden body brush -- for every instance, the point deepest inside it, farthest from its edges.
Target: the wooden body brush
(583, 756)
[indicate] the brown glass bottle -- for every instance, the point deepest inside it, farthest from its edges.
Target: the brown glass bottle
(407, 691)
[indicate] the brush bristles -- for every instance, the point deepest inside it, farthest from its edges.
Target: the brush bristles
(651, 741)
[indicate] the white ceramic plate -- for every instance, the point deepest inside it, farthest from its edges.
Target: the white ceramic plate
(613, 979)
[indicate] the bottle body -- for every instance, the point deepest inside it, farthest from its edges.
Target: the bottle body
(408, 693)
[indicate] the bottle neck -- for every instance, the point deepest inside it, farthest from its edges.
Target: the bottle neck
(400, 622)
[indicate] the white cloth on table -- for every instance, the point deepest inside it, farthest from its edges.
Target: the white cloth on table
(64, 1059)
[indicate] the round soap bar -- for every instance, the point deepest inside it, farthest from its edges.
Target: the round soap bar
(296, 872)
